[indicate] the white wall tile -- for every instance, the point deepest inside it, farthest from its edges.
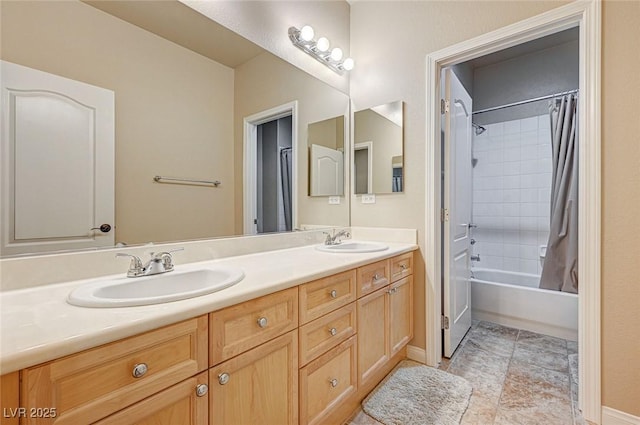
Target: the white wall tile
(512, 127)
(529, 124)
(511, 193)
(496, 129)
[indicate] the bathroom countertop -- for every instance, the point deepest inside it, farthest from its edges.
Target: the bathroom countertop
(38, 325)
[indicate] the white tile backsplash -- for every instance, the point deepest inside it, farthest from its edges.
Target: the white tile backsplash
(511, 192)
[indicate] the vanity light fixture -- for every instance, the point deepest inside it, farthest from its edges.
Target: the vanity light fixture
(303, 39)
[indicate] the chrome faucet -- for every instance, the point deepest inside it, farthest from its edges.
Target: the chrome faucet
(160, 262)
(333, 238)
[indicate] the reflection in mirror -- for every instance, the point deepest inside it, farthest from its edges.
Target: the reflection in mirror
(182, 86)
(326, 157)
(378, 149)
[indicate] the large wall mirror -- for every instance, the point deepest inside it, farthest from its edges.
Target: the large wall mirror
(378, 149)
(182, 89)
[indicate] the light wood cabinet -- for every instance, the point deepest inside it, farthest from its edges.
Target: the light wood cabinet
(322, 296)
(93, 384)
(241, 327)
(327, 381)
(373, 333)
(181, 404)
(401, 266)
(372, 277)
(257, 387)
(320, 335)
(10, 398)
(400, 314)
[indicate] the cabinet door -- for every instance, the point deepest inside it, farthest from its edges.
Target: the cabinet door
(400, 314)
(257, 387)
(183, 404)
(373, 334)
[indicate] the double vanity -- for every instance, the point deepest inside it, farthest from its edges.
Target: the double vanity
(300, 336)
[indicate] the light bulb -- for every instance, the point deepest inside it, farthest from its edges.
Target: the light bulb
(306, 33)
(348, 64)
(323, 44)
(336, 54)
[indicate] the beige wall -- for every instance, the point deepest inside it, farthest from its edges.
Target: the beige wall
(369, 126)
(266, 23)
(317, 101)
(173, 109)
(620, 205)
(414, 29)
(403, 33)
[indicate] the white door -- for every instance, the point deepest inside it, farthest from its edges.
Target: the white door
(457, 207)
(327, 171)
(57, 161)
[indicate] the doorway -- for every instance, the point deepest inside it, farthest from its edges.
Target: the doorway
(586, 17)
(269, 170)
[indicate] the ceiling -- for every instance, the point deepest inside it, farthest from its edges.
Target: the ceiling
(184, 26)
(543, 43)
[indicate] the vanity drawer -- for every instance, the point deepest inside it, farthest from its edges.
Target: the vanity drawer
(241, 327)
(373, 277)
(87, 386)
(327, 381)
(318, 336)
(322, 296)
(401, 266)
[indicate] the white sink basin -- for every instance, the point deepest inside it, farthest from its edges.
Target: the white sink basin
(353, 247)
(155, 289)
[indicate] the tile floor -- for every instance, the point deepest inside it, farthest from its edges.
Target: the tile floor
(518, 378)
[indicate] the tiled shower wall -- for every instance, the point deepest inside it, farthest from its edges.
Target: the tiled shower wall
(511, 194)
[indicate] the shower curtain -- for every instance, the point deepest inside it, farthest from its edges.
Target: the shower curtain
(285, 174)
(560, 268)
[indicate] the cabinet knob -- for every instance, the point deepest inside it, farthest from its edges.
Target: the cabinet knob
(376, 276)
(392, 291)
(333, 331)
(223, 378)
(333, 293)
(202, 390)
(262, 322)
(333, 382)
(403, 266)
(139, 370)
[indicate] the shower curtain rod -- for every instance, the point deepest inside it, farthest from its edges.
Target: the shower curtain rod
(522, 102)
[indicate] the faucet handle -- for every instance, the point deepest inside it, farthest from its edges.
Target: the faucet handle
(165, 257)
(135, 268)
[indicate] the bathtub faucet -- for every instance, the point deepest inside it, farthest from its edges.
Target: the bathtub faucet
(475, 257)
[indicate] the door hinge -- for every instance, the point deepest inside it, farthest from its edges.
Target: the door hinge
(445, 322)
(444, 214)
(444, 106)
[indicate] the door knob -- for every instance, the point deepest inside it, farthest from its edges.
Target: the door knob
(104, 228)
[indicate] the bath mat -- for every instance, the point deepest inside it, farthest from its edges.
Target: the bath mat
(415, 394)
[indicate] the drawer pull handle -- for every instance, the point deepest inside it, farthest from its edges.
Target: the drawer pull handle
(333, 382)
(392, 291)
(223, 378)
(333, 293)
(202, 390)
(262, 322)
(139, 370)
(333, 331)
(403, 266)
(376, 276)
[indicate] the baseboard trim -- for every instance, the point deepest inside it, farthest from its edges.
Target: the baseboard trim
(416, 354)
(616, 417)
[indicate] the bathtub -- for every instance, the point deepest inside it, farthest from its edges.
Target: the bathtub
(514, 299)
